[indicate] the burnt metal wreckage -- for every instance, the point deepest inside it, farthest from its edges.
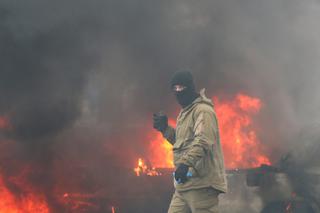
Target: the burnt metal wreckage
(281, 188)
(290, 186)
(286, 187)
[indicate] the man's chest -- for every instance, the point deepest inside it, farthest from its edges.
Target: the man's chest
(184, 129)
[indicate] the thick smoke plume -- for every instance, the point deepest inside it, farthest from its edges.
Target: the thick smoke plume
(80, 79)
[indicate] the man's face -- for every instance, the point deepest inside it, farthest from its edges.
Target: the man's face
(178, 88)
(181, 93)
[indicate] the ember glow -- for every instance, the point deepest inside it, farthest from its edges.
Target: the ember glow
(4, 123)
(143, 169)
(241, 146)
(17, 193)
(29, 202)
(79, 202)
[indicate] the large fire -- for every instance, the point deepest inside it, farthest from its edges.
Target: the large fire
(16, 195)
(26, 200)
(160, 150)
(30, 202)
(241, 146)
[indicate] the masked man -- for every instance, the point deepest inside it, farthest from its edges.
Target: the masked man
(198, 159)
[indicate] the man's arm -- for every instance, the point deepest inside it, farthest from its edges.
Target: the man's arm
(160, 123)
(205, 129)
(170, 134)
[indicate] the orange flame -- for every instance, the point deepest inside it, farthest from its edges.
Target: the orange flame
(241, 146)
(160, 150)
(30, 203)
(141, 168)
(145, 170)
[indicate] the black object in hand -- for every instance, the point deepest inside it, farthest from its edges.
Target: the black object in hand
(160, 121)
(181, 173)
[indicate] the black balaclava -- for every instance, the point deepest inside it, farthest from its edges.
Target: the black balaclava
(189, 94)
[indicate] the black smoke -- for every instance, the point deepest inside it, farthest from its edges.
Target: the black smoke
(84, 77)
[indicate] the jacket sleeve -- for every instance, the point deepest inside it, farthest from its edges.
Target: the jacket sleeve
(205, 130)
(170, 134)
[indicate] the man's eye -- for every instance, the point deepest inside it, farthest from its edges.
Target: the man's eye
(178, 88)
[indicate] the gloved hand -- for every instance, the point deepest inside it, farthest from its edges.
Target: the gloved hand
(160, 121)
(181, 173)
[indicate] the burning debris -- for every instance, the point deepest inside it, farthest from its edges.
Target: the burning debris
(143, 169)
(26, 201)
(71, 71)
(17, 193)
(77, 202)
(238, 133)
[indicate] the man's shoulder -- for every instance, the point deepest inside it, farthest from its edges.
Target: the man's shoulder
(203, 108)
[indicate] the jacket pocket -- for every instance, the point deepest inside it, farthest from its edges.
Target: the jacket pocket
(201, 167)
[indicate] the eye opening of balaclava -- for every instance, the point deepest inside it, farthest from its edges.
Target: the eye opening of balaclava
(188, 94)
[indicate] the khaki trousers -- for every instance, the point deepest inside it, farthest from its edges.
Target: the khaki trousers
(203, 200)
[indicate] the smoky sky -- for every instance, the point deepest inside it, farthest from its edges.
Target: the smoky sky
(106, 65)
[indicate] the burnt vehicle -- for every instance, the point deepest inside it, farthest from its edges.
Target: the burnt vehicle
(293, 184)
(282, 190)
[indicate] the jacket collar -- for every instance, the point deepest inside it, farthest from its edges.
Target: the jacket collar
(201, 99)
